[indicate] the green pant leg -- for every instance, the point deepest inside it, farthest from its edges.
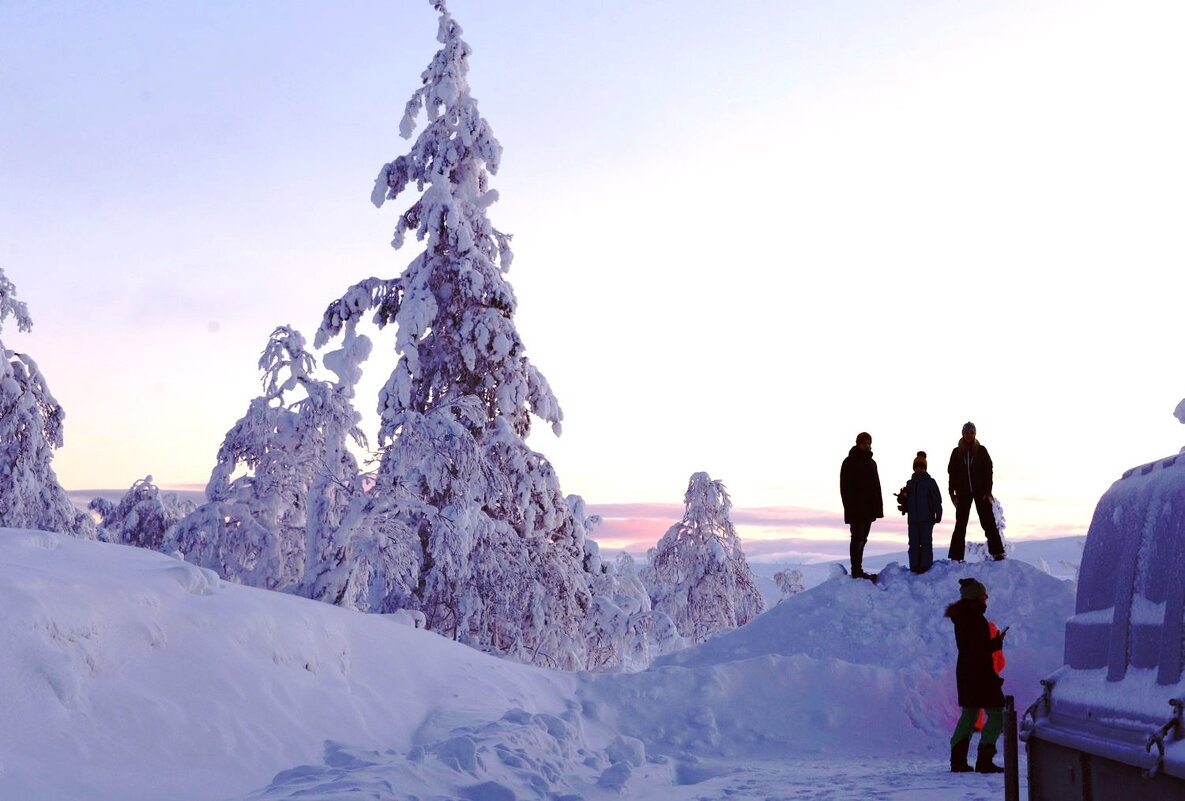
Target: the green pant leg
(992, 727)
(966, 725)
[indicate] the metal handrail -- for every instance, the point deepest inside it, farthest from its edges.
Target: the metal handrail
(1175, 725)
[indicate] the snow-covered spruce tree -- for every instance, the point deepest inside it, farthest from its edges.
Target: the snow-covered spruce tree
(284, 477)
(697, 574)
(142, 516)
(30, 429)
(499, 553)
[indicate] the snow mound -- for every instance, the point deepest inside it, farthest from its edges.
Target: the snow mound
(138, 676)
(520, 755)
(847, 666)
(899, 622)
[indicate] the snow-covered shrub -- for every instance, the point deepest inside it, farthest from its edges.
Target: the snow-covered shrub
(284, 477)
(493, 553)
(623, 630)
(789, 582)
(142, 516)
(697, 574)
(30, 430)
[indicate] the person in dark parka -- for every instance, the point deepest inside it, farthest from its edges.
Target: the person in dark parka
(980, 687)
(923, 505)
(860, 490)
(970, 474)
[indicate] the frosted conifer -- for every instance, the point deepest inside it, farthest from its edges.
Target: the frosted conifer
(697, 574)
(498, 552)
(284, 479)
(142, 516)
(30, 430)
(623, 630)
(789, 582)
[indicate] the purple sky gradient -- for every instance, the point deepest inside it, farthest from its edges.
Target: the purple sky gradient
(743, 232)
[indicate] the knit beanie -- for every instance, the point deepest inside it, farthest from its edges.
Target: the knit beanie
(970, 588)
(920, 460)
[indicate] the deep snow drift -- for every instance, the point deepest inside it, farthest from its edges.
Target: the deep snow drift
(137, 676)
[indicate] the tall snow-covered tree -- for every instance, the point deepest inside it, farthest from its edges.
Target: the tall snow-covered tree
(499, 553)
(697, 574)
(30, 430)
(142, 517)
(284, 479)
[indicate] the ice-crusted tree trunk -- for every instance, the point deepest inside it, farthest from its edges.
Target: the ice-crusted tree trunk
(697, 574)
(142, 517)
(284, 477)
(30, 430)
(498, 553)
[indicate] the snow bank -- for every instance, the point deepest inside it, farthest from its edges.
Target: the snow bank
(137, 676)
(846, 666)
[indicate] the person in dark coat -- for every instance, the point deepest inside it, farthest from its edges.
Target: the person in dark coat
(970, 483)
(923, 506)
(980, 687)
(860, 490)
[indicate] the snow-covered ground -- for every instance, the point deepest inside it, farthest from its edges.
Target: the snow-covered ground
(1059, 557)
(126, 674)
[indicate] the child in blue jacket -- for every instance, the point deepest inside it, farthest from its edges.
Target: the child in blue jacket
(924, 507)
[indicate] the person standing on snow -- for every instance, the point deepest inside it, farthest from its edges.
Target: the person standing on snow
(860, 490)
(979, 686)
(970, 473)
(923, 505)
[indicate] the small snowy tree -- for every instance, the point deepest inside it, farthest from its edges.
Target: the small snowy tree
(284, 478)
(497, 554)
(697, 574)
(623, 631)
(789, 582)
(30, 430)
(142, 516)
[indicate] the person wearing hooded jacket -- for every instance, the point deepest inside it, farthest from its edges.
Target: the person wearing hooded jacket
(923, 505)
(860, 491)
(979, 685)
(970, 474)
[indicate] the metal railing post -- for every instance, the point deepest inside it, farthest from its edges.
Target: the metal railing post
(1011, 763)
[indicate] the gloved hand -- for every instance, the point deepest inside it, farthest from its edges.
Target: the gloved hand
(937, 518)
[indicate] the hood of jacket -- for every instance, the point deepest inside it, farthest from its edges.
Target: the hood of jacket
(858, 451)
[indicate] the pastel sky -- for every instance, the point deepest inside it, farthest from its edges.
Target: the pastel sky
(744, 231)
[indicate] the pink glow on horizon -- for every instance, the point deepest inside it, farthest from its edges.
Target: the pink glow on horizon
(637, 527)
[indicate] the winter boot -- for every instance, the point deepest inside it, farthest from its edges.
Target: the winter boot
(983, 760)
(958, 757)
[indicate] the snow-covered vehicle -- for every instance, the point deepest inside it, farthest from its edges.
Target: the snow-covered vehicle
(1109, 722)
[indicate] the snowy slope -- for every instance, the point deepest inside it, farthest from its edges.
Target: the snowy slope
(136, 676)
(847, 651)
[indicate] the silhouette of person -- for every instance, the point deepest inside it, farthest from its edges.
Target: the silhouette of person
(860, 490)
(970, 473)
